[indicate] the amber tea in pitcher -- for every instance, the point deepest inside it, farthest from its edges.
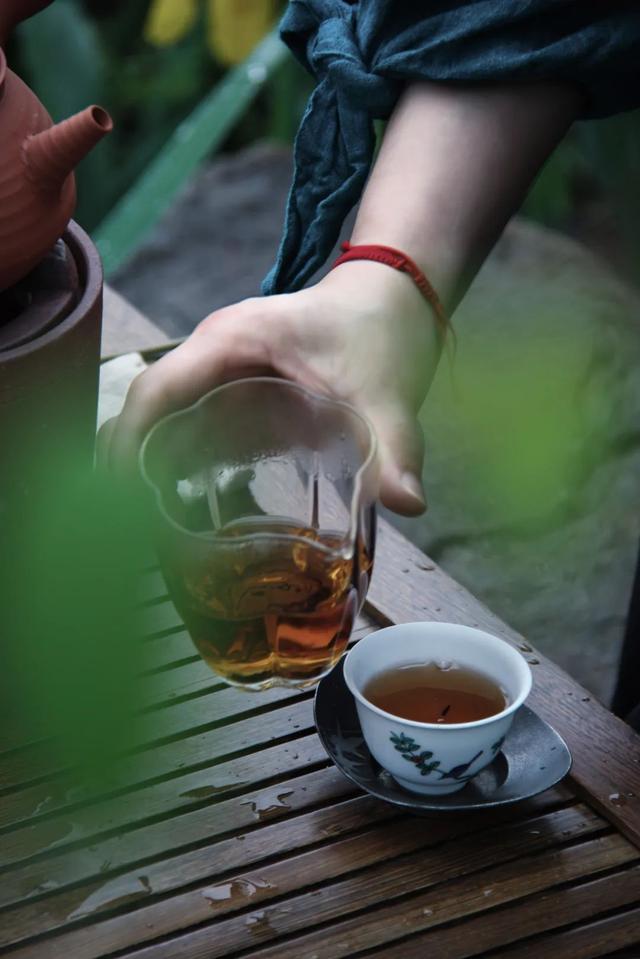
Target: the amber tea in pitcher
(288, 616)
(266, 500)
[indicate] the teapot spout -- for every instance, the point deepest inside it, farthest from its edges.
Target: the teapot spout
(50, 156)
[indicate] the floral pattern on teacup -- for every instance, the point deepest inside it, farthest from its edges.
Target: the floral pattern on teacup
(424, 761)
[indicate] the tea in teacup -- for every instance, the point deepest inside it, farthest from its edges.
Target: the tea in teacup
(435, 728)
(436, 692)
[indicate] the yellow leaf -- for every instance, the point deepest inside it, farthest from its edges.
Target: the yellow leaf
(236, 26)
(169, 20)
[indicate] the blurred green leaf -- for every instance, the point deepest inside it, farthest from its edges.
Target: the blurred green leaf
(72, 653)
(59, 44)
(550, 199)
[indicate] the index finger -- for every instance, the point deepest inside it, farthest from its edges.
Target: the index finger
(213, 354)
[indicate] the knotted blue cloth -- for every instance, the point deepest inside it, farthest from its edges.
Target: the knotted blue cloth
(362, 54)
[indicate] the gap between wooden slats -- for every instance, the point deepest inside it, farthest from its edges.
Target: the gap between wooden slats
(198, 827)
(172, 720)
(248, 847)
(459, 898)
(474, 936)
(407, 586)
(584, 942)
(171, 767)
(381, 864)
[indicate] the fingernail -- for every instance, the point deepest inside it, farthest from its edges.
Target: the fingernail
(413, 486)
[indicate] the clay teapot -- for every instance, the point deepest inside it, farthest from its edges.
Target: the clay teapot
(37, 186)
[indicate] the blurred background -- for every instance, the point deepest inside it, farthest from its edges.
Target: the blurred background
(151, 62)
(533, 436)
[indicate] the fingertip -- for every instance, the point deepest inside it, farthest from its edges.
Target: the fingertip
(403, 494)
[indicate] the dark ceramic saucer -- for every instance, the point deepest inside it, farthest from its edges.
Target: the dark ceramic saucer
(533, 758)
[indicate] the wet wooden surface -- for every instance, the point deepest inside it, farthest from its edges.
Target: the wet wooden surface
(231, 834)
(228, 832)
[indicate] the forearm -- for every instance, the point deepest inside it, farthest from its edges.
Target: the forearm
(454, 166)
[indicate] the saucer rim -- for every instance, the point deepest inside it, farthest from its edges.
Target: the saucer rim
(414, 802)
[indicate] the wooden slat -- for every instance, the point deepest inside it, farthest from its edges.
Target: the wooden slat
(171, 758)
(585, 942)
(181, 720)
(459, 898)
(246, 848)
(456, 852)
(407, 586)
(176, 693)
(121, 847)
(541, 913)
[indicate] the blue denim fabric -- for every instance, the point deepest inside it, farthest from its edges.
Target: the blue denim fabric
(362, 53)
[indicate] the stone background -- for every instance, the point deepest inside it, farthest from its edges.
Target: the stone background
(532, 427)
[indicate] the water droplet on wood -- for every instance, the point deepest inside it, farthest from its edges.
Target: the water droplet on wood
(266, 807)
(236, 889)
(617, 800)
(116, 892)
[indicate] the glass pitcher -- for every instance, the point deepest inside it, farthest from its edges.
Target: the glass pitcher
(265, 506)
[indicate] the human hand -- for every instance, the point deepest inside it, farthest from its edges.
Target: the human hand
(363, 334)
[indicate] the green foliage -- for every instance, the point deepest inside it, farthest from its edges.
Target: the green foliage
(75, 53)
(72, 651)
(550, 199)
(612, 150)
(72, 60)
(600, 158)
(81, 51)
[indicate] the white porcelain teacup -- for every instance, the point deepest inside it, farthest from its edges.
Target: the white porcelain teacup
(435, 758)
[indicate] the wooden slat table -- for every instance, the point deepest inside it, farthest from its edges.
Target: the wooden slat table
(232, 835)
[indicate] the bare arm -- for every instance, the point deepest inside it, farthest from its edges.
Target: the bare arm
(454, 166)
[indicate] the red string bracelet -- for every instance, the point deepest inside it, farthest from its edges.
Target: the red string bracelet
(399, 261)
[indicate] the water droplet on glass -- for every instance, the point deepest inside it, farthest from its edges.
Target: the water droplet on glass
(427, 912)
(487, 892)
(534, 832)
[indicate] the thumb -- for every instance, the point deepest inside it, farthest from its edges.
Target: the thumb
(401, 452)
